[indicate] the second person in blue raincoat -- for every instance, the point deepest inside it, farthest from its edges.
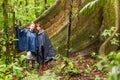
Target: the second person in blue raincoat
(45, 49)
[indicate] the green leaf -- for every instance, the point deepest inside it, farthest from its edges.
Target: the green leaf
(17, 68)
(4, 48)
(114, 41)
(22, 58)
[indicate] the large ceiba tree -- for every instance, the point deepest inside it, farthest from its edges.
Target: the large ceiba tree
(89, 18)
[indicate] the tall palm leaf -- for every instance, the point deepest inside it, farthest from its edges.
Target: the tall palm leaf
(92, 6)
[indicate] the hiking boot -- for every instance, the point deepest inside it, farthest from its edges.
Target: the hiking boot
(45, 66)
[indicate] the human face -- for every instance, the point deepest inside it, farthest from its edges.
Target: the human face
(38, 28)
(32, 27)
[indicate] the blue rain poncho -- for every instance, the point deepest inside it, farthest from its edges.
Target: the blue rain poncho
(49, 52)
(27, 40)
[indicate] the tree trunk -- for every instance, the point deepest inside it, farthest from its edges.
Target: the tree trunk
(83, 35)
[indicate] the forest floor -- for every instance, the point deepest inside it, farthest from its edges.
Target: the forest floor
(85, 65)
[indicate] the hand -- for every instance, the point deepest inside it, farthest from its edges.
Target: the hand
(16, 23)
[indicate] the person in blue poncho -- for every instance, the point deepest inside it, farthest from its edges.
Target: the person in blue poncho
(27, 41)
(45, 49)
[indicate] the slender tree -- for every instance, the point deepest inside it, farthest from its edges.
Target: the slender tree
(20, 4)
(5, 15)
(45, 4)
(14, 31)
(26, 8)
(69, 27)
(79, 3)
(36, 4)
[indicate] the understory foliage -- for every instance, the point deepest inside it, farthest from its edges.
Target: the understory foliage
(110, 64)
